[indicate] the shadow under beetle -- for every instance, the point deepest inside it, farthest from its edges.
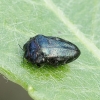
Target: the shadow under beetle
(52, 50)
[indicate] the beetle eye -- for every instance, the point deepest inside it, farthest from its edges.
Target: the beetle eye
(25, 46)
(27, 55)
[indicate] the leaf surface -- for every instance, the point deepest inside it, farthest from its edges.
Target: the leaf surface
(73, 20)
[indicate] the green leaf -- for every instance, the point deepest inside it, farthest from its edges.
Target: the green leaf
(74, 20)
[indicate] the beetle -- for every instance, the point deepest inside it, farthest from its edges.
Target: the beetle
(52, 50)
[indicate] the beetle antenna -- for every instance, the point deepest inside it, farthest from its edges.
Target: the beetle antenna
(23, 50)
(20, 47)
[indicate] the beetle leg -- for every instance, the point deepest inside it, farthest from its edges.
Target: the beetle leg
(38, 64)
(53, 62)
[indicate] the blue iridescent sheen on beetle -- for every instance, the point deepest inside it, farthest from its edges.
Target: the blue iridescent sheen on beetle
(52, 50)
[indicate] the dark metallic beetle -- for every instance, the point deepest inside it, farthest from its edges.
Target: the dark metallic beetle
(53, 50)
